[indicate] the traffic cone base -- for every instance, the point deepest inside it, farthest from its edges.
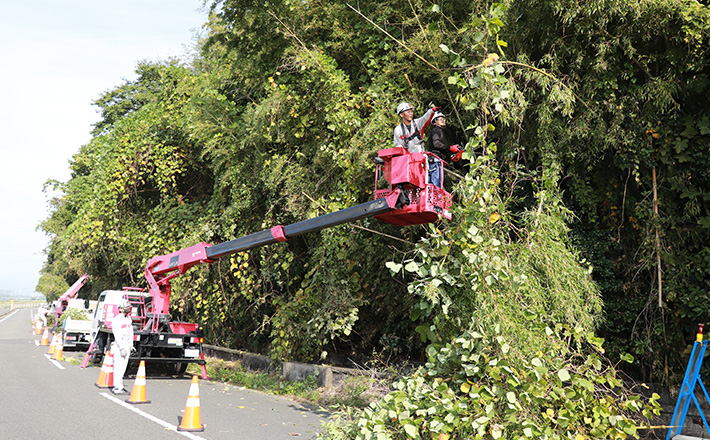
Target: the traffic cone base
(45, 337)
(53, 345)
(106, 374)
(190, 421)
(182, 422)
(138, 393)
(59, 350)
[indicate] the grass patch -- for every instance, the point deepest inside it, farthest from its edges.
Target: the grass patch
(353, 391)
(72, 360)
(233, 373)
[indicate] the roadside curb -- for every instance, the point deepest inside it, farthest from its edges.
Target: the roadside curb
(327, 376)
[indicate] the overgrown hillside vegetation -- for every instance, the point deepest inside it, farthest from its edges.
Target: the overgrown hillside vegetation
(586, 125)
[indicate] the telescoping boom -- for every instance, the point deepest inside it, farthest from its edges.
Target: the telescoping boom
(408, 200)
(402, 196)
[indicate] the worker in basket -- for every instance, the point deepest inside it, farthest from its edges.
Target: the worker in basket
(410, 132)
(438, 145)
(122, 326)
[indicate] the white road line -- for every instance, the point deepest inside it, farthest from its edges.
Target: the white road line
(56, 364)
(1, 320)
(37, 343)
(151, 417)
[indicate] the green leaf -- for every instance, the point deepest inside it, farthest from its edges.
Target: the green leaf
(411, 430)
(626, 357)
(563, 374)
(704, 126)
(412, 266)
(586, 384)
(394, 267)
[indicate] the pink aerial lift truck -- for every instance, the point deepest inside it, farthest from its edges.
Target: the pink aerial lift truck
(407, 200)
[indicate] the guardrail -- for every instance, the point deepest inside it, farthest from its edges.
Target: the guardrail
(23, 305)
(10, 306)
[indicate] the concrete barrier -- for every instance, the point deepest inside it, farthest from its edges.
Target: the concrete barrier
(295, 371)
(327, 375)
(249, 361)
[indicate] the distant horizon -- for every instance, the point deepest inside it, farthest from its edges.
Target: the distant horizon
(6, 295)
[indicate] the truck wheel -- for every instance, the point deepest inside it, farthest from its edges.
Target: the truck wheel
(176, 368)
(96, 357)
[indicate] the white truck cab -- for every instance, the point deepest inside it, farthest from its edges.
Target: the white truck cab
(106, 310)
(76, 332)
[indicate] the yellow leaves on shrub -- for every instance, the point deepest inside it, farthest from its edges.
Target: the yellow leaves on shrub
(490, 59)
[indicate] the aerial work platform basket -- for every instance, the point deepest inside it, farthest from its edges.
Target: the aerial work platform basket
(426, 203)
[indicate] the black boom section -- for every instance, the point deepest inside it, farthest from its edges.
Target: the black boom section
(263, 238)
(369, 209)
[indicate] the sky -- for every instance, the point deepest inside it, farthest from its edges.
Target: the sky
(56, 58)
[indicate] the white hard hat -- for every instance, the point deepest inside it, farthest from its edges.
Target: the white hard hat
(124, 304)
(404, 106)
(437, 115)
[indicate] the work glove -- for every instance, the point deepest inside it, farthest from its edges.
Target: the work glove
(123, 351)
(435, 109)
(457, 156)
(454, 148)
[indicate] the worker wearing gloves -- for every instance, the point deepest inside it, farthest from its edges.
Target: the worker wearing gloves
(410, 133)
(122, 346)
(438, 145)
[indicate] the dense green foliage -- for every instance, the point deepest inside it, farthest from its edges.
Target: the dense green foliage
(72, 313)
(568, 110)
(52, 286)
(473, 388)
(639, 71)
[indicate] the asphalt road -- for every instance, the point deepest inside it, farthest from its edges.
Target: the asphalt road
(42, 398)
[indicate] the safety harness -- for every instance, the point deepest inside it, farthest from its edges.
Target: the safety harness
(406, 138)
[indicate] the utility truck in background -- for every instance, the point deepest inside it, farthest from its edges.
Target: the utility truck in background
(407, 200)
(76, 329)
(62, 303)
(174, 346)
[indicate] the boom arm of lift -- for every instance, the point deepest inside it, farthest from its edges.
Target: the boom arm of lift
(71, 293)
(409, 200)
(161, 269)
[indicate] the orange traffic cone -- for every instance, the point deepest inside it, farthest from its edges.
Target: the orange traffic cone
(45, 337)
(191, 418)
(106, 375)
(53, 345)
(38, 326)
(59, 349)
(138, 393)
